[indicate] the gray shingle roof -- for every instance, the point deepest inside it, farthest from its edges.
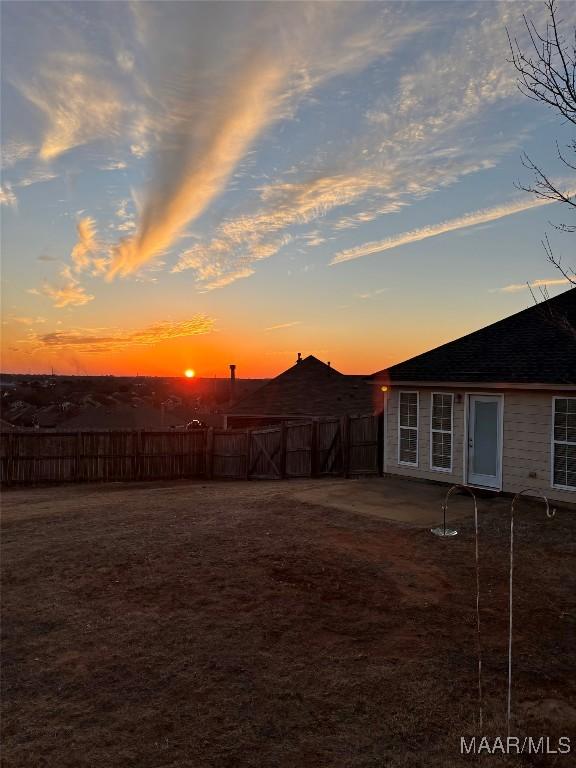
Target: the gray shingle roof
(125, 417)
(535, 346)
(309, 388)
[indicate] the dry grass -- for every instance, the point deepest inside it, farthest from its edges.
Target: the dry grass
(230, 626)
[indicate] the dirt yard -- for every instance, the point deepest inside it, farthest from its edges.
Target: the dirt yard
(233, 625)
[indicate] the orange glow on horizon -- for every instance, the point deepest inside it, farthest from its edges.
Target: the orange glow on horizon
(256, 355)
(189, 373)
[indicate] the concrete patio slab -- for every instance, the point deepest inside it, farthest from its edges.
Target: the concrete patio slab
(402, 500)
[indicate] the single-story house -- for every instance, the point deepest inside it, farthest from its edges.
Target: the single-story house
(309, 389)
(495, 409)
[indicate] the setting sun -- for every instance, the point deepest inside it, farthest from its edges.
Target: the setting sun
(189, 373)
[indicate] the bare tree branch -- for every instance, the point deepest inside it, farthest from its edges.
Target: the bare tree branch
(567, 163)
(547, 189)
(546, 71)
(569, 273)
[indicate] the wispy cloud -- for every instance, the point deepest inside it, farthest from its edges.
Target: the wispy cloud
(235, 97)
(14, 152)
(36, 176)
(78, 94)
(447, 88)
(433, 230)
(540, 283)
(228, 257)
(371, 294)
(102, 340)
(87, 245)
(414, 143)
(78, 104)
(7, 196)
(244, 240)
(23, 320)
(66, 293)
(182, 194)
(227, 279)
(114, 165)
(280, 326)
(206, 115)
(313, 239)
(127, 223)
(87, 255)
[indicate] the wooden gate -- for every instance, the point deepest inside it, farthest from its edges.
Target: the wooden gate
(330, 447)
(299, 449)
(265, 455)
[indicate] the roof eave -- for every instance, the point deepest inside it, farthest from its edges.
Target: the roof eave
(477, 384)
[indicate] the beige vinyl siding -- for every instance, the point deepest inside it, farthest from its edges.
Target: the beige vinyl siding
(528, 444)
(527, 439)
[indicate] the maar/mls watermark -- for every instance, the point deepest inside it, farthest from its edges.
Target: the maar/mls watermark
(515, 745)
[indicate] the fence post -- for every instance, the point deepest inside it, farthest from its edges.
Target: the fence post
(314, 452)
(15, 454)
(345, 437)
(283, 447)
(209, 457)
(247, 468)
(9, 461)
(135, 454)
(76, 472)
(381, 438)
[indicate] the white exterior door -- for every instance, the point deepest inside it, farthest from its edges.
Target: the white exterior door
(485, 441)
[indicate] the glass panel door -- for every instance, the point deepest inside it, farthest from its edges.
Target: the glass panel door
(484, 459)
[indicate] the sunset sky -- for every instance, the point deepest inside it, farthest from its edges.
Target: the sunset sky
(197, 184)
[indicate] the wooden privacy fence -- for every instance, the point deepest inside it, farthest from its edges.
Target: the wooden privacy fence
(337, 446)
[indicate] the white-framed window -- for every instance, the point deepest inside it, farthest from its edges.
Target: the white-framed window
(408, 428)
(441, 431)
(564, 443)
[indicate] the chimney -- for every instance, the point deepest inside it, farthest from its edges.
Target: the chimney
(299, 359)
(232, 381)
(328, 363)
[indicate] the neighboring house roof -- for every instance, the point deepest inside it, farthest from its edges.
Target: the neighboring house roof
(20, 411)
(50, 416)
(535, 346)
(125, 417)
(309, 388)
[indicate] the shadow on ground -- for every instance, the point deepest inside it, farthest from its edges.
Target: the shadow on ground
(196, 625)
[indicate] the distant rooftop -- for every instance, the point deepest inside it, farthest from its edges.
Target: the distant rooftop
(309, 388)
